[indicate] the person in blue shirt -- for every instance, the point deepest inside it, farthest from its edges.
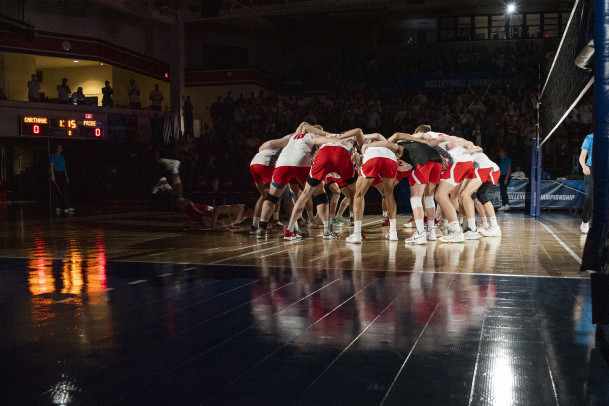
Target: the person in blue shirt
(585, 160)
(505, 166)
(60, 180)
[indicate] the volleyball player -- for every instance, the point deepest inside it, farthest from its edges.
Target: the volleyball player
(293, 165)
(459, 165)
(335, 155)
(377, 161)
(217, 217)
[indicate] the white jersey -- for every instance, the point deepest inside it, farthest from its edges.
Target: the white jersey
(454, 155)
(340, 143)
(297, 152)
(379, 152)
(266, 157)
(481, 161)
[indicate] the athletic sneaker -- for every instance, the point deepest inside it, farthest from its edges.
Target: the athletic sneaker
(342, 220)
(452, 237)
(301, 234)
(69, 210)
(431, 235)
(409, 223)
(392, 236)
(385, 222)
(161, 186)
(471, 235)
(329, 235)
(261, 233)
(416, 239)
(355, 238)
(335, 222)
(584, 228)
(278, 225)
(503, 208)
(289, 235)
(58, 210)
(253, 230)
(443, 230)
(170, 164)
(492, 231)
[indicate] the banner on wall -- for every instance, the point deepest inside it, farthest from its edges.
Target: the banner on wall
(555, 194)
(439, 82)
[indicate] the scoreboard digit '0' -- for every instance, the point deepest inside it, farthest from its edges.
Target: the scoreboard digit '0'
(62, 127)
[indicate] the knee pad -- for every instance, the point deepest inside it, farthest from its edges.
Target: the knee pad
(320, 199)
(271, 198)
(416, 201)
(429, 202)
(313, 182)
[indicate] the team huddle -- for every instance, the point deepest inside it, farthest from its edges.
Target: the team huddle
(301, 168)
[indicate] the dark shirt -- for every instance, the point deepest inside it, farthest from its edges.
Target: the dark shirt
(417, 153)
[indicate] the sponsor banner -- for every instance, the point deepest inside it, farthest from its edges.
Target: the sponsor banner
(440, 82)
(555, 194)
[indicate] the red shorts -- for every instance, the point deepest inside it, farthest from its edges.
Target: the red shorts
(384, 167)
(332, 159)
(480, 173)
(290, 174)
(430, 172)
(339, 181)
(262, 173)
(455, 173)
(493, 177)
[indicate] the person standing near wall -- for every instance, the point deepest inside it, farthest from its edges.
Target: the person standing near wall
(64, 91)
(60, 180)
(585, 160)
(107, 91)
(33, 86)
(134, 95)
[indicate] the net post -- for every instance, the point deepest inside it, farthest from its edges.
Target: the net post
(533, 180)
(538, 184)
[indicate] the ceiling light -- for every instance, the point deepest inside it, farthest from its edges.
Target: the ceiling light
(511, 8)
(76, 61)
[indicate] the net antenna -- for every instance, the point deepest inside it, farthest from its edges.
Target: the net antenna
(570, 75)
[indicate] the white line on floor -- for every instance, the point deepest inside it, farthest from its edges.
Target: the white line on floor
(569, 250)
(136, 282)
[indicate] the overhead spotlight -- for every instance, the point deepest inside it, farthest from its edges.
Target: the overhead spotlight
(511, 8)
(75, 61)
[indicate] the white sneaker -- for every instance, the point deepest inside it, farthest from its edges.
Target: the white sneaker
(69, 210)
(417, 238)
(410, 223)
(58, 210)
(330, 235)
(584, 228)
(492, 231)
(355, 238)
(431, 235)
(453, 237)
(392, 236)
(161, 186)
(471, 235)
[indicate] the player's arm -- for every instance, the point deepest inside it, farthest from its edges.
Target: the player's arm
(357, 133)
(276, 143)
(374, 137)
(308, 128)
(385, 143)
(582, 161)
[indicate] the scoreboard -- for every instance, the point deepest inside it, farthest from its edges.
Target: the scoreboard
(63, 127)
